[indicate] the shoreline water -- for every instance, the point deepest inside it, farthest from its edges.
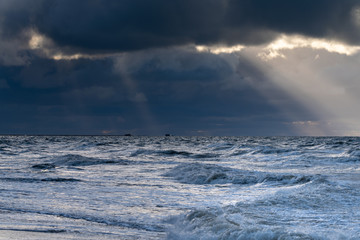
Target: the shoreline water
(179, 187)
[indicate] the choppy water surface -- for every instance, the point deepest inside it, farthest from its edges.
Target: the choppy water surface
(179, 188)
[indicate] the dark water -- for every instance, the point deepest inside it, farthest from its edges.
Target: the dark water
(179, 188)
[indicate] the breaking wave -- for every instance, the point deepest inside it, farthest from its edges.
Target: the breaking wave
(271, 150)
(36, 230)
(171, 153)
(32, 180)
(354, 154)
(73, 160)
(197, 173)
(90, 218)
(216, 223)
(273, 216)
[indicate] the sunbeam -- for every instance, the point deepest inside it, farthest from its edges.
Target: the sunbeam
(310, 71)
(308, 78)
(138, 98)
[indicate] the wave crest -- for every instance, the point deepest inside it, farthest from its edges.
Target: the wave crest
(32, 180)
(197, 173)
(73, 160)
(172, 153)
(215, 223)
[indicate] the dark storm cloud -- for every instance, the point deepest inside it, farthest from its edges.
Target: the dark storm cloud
(107, 26)
(320, 18)
(63, 97)
(157, 79)
(187, 93)
(45, 82)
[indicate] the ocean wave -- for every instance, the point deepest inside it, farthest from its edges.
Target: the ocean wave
(5, 142)
(36, 230)
(142, 152)
(73, 160)
(278, 215)
(221, 146)
(217, 223)
(354, 154)
(32, 180)
(239, 152)
(172, 152)
(198, 173)
(206, 155)
(271, 150)
(322, 196)
(44, 166)
(91, 218)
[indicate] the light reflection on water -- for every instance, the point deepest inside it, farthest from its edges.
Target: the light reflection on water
(179, 188)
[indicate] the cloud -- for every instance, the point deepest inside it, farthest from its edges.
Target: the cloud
(182, 64)
(309, 123)
(323, 82)
(286, 42)
(83, 28)
(179, 90)
(219, 49)
(3, 84)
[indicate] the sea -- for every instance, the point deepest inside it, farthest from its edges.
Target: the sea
(138, 187)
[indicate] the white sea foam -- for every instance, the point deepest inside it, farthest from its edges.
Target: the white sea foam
(179, 188)
(197, 173)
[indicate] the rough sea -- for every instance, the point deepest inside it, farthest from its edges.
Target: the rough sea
(115, 187)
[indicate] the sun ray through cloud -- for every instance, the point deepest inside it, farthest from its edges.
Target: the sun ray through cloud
(310, 85)
(137, 97)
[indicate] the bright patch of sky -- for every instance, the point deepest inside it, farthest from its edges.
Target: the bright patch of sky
(308, 77)
(317, 73)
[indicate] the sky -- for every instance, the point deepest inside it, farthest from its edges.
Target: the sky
(183, 67)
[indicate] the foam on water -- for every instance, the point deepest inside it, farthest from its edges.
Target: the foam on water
(304, 212)
(74, 160)
(70, 187)
(197, 173)
(108, 220)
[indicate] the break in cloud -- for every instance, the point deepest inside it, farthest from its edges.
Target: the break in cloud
(89, 26)
(213, 67)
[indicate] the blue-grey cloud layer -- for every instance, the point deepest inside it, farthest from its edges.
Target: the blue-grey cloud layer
(153, 86)
(92, 25)
(185, 93)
